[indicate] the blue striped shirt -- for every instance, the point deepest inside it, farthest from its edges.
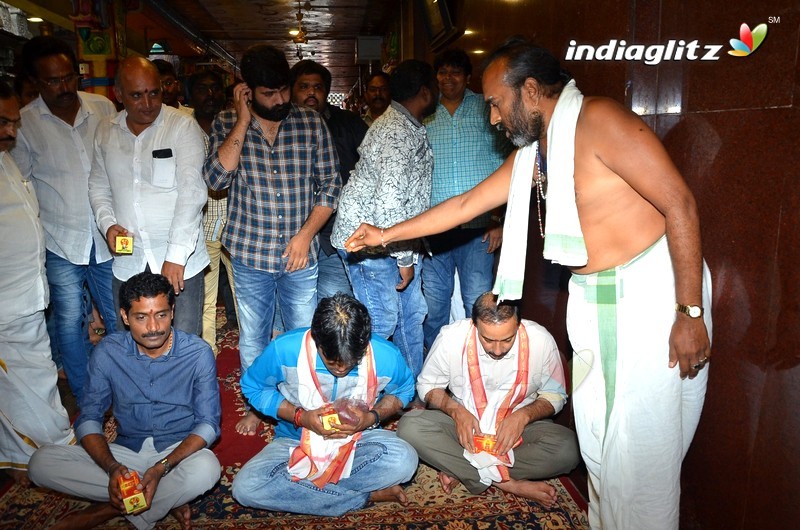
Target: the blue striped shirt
(466, 150)
(275, 187)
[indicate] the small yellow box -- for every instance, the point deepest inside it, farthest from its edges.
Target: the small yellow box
(124, 245)
(330, 421)
(131, 495)
(485, 443)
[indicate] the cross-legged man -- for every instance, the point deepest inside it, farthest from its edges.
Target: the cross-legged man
(162, 386)
(329, 387)
(492, 383)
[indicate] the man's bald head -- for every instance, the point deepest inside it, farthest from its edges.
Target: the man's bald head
(137, 86)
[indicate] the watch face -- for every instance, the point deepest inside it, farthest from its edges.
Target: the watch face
(695, 311)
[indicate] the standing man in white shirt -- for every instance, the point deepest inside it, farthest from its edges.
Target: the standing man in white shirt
(146, 183)
(54, 151)
(31, 413)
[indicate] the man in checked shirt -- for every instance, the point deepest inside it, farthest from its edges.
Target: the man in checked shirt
(279, 163)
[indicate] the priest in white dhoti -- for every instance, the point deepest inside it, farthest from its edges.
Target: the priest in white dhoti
(31, 413)
(491, 384)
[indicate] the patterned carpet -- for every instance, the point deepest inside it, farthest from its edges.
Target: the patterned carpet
(36, 509)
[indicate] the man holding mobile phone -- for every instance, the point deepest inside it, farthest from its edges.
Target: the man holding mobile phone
(146, 185)
(279, 163)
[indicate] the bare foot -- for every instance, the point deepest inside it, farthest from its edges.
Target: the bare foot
(448, 483)
(392, 494)
(87, 518)
(248, 424)
(541, 492)
(20, 476)
(184, 516)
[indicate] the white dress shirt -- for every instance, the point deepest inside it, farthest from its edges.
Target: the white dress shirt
(23, 284)
(159, 199)
(444, 366)
(58, 157)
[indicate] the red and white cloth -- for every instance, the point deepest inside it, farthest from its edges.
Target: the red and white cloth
(492, 407)
(317, 459)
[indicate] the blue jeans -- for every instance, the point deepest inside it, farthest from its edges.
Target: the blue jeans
(459, 249)
(395, 314)
(331, 279)
(381, 460)
(67, 283)
(332, 276)
(256, 291)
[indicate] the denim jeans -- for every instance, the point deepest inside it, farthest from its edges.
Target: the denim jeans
(381, 460)
(460, 249)
(332, 276)
(395, 314)
(67, 283)
(256, 291)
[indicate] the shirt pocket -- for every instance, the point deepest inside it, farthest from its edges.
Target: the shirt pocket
(164, 168)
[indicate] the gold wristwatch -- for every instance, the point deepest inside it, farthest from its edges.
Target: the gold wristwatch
(693, 311)
(167, 466)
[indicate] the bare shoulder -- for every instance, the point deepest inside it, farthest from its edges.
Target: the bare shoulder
(601, 115)
(609, 129)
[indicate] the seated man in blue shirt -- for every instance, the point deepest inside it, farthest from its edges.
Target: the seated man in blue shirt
(329, 387)
(162, 384)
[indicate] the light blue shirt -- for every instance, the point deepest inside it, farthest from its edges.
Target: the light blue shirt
(466, 150)
(272, 378)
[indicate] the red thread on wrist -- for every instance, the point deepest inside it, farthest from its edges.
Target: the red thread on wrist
(297, 412)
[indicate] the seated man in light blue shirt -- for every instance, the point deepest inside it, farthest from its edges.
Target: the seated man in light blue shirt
(162, 386)
(323, 463)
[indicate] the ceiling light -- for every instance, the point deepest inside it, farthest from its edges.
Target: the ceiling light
(468, 32)
(35, 19)
(478, 51)
(294, 32)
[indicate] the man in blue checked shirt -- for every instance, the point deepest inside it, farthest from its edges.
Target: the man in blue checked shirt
(162, 386)
(279, 163)
(466, 149)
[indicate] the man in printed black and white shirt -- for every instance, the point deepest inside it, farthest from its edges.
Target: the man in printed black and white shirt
(391, 183)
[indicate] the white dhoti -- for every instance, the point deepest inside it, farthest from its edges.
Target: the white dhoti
(31, 413)
(634, 415)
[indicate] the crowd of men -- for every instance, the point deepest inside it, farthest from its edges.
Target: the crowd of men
(317, 214)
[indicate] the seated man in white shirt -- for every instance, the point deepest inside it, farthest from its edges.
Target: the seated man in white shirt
(146, 183)
(504, 378)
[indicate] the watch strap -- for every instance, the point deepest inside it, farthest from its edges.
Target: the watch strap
(167, 466)
(692, 311)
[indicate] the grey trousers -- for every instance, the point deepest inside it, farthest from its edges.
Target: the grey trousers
(69, 469)
(547, 449)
